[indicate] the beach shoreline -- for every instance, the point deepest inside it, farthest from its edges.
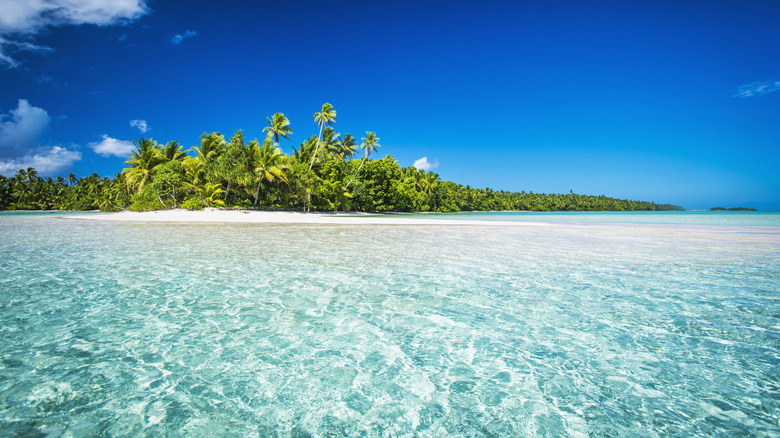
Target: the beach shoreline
(284, 217)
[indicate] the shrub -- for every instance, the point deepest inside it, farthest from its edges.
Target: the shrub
(193, 204)
(146, 205)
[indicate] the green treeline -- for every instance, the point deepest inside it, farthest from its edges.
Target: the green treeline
(324, 173)
(733, 209)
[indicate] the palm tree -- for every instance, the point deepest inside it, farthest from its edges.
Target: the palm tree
(194, 174)
(21, 188)
(306, 150)
(104, 201)
(330, 142)
(269, 164)
(429, 183)
(119, 190)
(209, 192)
(31, 175)
(325, 117)
(348, 146)
(143, 161)
(172, 151)
(92, 185)
(279, 126)
(211, 146)
(370, 144)
(5, 192)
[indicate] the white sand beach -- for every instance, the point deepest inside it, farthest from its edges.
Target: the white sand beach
(284, 217)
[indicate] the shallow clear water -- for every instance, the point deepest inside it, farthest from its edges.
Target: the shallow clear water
(570, 329)
(731, 218)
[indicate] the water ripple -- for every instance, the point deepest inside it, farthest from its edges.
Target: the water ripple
(238, 330)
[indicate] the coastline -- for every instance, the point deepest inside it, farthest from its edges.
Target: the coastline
(283, 217)
(764, 221)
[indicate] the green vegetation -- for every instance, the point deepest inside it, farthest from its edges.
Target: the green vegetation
(733, 209)
(322, 174)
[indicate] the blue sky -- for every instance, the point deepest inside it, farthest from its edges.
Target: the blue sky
(665, 101)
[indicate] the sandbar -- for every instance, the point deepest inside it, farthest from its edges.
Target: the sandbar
(285, 217)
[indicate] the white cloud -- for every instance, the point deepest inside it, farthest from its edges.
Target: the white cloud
(21, 128)
(177, 39)
(9, 46)
(20, 131)
(111, 146)
(426, 165)
(48, 161)
(140, 124)
(29, 17)
(757, 88)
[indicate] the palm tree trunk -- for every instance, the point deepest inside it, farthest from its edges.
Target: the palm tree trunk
(257, 193)
(318, 146)
(356, 172)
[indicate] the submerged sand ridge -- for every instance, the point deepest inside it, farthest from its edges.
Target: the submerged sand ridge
(284, 217)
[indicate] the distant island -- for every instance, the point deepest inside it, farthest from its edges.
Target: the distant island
(733, 209)
(324, 173)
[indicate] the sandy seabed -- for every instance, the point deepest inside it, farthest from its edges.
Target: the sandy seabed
(284, 217)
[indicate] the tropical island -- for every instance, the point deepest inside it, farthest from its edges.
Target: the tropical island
(733, 209)
(324, 173)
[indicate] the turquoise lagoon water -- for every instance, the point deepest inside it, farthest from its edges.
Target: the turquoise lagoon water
(748, 218)
(592, 326)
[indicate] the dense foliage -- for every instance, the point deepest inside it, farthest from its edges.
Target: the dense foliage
(322, 174)
(733, 209)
